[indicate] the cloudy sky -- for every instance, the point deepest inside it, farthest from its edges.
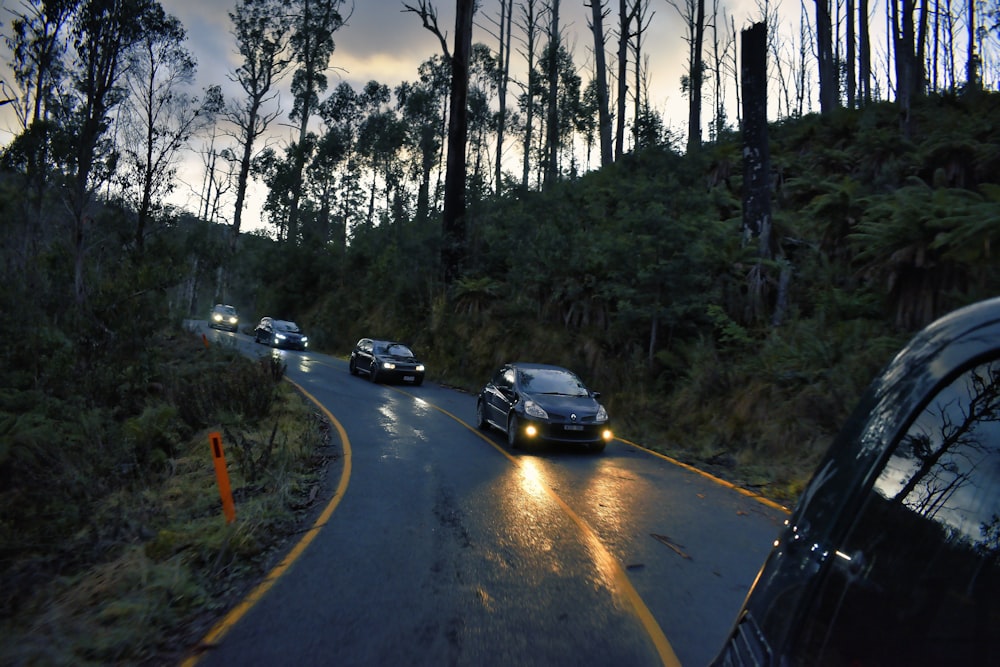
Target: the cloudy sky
(384, 43)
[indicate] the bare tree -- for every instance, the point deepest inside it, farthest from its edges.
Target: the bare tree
(312, 45)
(261, 31)
(692, 13)
(103, 34)
(37, 49)
(453, 223)
(158, 117)
(551, 152)
(596, 23)
(504, 25)
(829, 82)
(642, 21)
(626, 15)
(531, 17)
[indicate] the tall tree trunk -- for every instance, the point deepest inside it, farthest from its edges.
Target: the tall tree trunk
(453, 224)
(624, 30)
(601, 77)
(972, 64)
(552, 107)
(756, 152)
(506, 23)
(531, 31)
(828, 81)
(756, 162)
(697, 72)
(851, 67)
(864, 54)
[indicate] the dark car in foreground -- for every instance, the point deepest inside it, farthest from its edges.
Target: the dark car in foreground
(224, 317)
(283, 334)
(892, 555)
(533, 403)
(386, 361)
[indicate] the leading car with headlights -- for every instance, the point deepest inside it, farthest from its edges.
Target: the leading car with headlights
(532, 403)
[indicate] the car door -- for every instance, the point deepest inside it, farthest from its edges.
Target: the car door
(363, 357)
(915, 580)
(500, 395)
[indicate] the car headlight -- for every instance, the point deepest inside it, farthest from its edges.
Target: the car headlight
(217, 317)
(533, 409)
(233, 320)
(420, 368)
(279, 336)
(305, 339)
(388, 365)
(602, 414)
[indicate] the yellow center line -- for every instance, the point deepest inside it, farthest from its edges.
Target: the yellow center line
(606, 561)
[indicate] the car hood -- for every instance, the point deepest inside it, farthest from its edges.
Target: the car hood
(398, 358)
(581, 406)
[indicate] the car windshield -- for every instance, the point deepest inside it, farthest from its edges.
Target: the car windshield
(228, 310)
(281, 325)
(398, 350)
(551, 381)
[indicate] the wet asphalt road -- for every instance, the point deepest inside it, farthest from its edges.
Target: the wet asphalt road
(447, 548)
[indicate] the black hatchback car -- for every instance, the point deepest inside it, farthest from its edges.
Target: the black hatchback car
(386, 360)
(281, 334)
(540, 402)
(892, 555)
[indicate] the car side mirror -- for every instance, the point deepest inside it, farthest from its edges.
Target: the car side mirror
(595, 394)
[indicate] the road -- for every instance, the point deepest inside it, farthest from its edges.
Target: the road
(444, 547)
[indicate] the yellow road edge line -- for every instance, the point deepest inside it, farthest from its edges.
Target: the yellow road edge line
(666, 652)
(718, 480)
(220, 629)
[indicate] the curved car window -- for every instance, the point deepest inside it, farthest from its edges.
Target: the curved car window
(915, 581)
(551, 381)
(399, 350)
(286, 326)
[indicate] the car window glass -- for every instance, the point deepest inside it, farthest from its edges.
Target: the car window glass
(552, 381)
(915, 582)
(399, 350)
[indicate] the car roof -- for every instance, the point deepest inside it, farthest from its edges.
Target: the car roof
(527, 365)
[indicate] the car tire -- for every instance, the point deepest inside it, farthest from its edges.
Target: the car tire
(418, 382)
(352, 367)
(481, 422)
(373, 372)
(513, 432)
(598, 448)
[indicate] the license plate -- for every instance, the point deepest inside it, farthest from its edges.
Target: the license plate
(409, 378)
(573, 427)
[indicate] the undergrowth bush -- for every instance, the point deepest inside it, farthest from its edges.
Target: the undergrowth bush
(112, 537)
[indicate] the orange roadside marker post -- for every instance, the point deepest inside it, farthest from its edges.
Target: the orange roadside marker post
(222, 476)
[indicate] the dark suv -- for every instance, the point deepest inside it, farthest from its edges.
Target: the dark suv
(892, 556)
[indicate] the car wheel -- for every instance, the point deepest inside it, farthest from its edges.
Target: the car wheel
(598, 448)
(352, 367)
(513, 432)
(373, 372)
(418, 382)
(481, 422)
